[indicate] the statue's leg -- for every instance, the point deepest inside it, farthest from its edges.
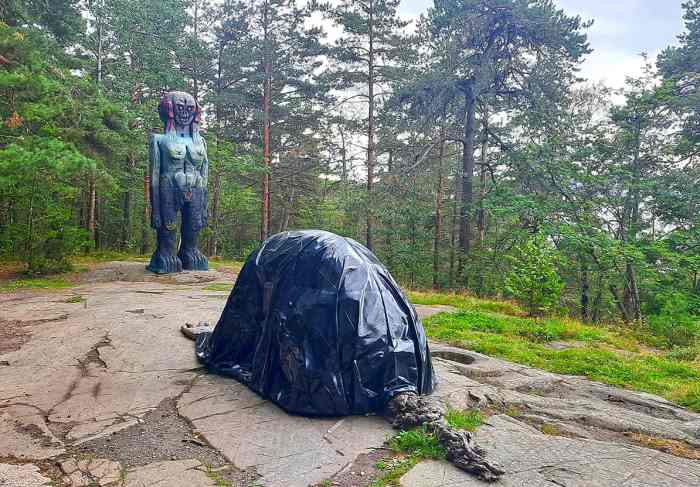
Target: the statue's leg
(192, 259)
(164, 259)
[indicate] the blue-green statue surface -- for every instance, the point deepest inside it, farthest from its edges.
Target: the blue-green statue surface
(178, 183)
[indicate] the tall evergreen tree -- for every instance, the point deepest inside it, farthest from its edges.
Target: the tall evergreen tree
(508, 49)
(365, 60)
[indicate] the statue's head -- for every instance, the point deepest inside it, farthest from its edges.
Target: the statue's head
(179, 109)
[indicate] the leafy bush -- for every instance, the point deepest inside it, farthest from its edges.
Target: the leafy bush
(533, 279)
(675, 323)
(684, 354)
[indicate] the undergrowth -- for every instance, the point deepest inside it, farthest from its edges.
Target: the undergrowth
(616, 357)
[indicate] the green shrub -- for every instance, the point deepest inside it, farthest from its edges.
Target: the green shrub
(675, 323)
(533, 279)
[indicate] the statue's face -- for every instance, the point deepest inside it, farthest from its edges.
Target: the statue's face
(184, 109)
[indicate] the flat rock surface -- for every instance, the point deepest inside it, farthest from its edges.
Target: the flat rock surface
(182, 473)
(110, 378)
(22, 476)
(533, 459)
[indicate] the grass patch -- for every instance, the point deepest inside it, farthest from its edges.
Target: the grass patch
(467, 302)
(513, 411)
(220, 263)
(417, 442)
(606, 355)
(57, 282)
(217, 286)
(674, 447)
(394, 470)
(465, 420)
(216, 477)
(453, 325)
(550, 429)
(107, 256)
(77, 298)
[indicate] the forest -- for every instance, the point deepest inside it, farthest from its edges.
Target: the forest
(464, 149)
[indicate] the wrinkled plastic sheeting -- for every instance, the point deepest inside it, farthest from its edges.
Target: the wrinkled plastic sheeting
(316, 324)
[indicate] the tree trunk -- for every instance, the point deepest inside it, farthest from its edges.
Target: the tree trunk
(212, 247)
(145, 221)
(127, 202)
(620, 303)
(195, 29)
(438, 210)
(632, 293)
(92, 204)
(343, 156)
(265, 217)
(454, 231)
(481, 217)
(585, 289)
(126, 219)
(598, 300)
(370, 131)
(284, 221)
(213, 243)
(629, 234)
(99, 54)
(467, 177)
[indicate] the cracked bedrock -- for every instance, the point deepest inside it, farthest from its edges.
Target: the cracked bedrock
(101, 368)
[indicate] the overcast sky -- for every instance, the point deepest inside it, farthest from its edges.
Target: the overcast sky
(622, 30)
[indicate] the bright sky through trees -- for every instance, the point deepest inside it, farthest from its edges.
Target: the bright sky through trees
(622, 30)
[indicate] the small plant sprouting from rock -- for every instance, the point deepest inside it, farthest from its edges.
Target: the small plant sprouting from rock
(550, 429)
(465, 420)
(418, 442)
(394, 469)
(216, 477)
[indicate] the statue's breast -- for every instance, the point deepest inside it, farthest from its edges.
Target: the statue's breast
(197, 153)
(175, 150)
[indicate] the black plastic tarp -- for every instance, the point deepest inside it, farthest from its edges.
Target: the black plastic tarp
(316, 324)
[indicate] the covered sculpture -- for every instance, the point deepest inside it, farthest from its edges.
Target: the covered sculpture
(316, 324)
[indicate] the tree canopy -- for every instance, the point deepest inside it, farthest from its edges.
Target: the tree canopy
(464, 148)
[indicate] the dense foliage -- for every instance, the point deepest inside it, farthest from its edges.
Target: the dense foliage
(467, 152)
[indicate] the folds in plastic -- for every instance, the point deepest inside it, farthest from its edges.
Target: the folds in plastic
(316, 324)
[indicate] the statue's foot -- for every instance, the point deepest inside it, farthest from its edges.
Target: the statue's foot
(164, 264)
(193, 260)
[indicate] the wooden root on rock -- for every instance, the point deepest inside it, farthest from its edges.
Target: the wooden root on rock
(409, 410)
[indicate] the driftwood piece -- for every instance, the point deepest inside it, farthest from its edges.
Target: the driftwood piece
(410, 410)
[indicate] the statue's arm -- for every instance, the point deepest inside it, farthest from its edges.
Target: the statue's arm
(154, 167)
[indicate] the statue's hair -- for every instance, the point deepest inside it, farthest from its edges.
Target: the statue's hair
(167, 115)
(194, 127)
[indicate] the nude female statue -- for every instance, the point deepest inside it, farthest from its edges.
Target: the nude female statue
(178, 182)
